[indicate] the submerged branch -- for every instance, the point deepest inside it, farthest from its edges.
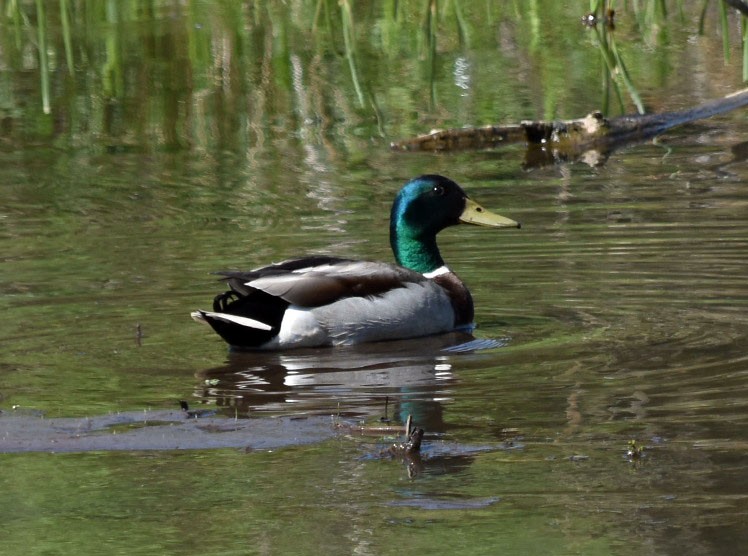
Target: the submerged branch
(739, 5)
(589, 139)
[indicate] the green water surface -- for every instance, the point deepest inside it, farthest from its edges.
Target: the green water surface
(145, 144)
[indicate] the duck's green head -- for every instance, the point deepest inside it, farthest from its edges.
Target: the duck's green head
(424, 207)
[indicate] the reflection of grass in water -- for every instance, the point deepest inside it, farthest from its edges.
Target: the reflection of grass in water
(616, 71)
(230, 55)
(744, 26)
(112, 71)
(725, 30)
(350, 46)
(725, 25)
(41, 29)
(65, 21)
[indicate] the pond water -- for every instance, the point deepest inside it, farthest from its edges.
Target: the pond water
(186, 138)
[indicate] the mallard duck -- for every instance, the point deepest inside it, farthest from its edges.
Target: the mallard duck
(322, 301)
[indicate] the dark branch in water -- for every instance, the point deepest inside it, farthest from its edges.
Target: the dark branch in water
(589, 139)
(195, 413)
(739, 5)
(409, 452)
(412, 444)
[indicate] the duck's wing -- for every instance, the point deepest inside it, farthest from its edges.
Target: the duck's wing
(317, 281)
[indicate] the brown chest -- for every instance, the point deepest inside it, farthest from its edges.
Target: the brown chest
(462, 301)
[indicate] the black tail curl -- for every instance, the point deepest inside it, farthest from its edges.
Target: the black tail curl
(222, 301)
(258, 306)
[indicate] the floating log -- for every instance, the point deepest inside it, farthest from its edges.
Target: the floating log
(589, 139)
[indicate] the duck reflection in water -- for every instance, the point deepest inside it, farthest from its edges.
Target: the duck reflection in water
(414, 377)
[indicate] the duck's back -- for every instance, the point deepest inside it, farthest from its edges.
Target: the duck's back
(316, 301)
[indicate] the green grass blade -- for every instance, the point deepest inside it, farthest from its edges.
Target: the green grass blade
(350, 47)
(41, 25)
(65, 20)
(744, 20)
(725, 31)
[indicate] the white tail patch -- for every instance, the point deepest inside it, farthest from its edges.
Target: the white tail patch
(197, 316)
(236, 319)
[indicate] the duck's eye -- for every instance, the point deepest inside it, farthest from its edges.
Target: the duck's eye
(439, 190)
